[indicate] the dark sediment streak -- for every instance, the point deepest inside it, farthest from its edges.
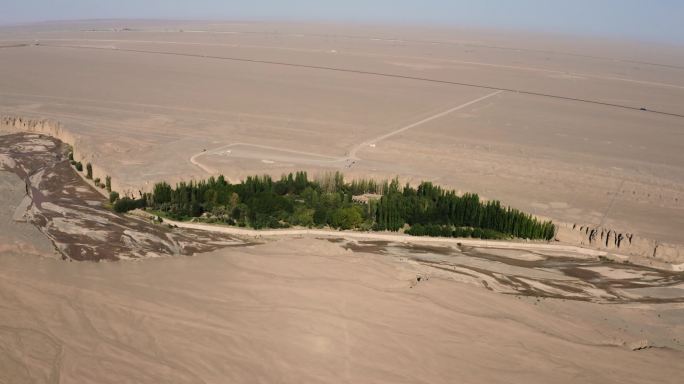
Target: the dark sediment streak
(565, 277)
(74, 216)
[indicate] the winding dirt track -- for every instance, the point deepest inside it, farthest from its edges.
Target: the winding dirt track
(351, 155)
(211, 171)
(353, 152)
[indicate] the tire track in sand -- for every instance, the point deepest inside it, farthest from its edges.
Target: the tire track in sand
(351, 155)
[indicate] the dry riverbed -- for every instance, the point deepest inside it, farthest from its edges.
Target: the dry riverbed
(303, 308)
(539, 274)
(72, 214)
(74, 218)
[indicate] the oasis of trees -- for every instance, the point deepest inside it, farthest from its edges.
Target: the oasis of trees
(295, 200)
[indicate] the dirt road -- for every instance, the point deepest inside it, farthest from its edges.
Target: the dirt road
(328, 160)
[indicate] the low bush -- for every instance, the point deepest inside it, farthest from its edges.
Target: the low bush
(113, 196)
(126, 204)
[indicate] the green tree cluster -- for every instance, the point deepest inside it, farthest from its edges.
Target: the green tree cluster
(435, 230)
(261, 202)
(113, 196)
(432, 205)
(126, 204)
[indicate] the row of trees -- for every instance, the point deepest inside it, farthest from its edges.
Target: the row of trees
(294, 199)
(89, 173)
(431, 205)
(435, 230)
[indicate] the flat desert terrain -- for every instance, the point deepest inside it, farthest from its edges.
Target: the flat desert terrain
(485, 112)
(309, 310)
(586, 132)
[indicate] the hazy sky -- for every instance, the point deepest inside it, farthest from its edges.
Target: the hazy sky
(641, 19)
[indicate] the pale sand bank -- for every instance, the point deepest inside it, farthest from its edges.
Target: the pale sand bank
(308, 311)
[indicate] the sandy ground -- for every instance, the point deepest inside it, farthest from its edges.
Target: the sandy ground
(266, 97)
(331, 310)
(183, 100)
(384, 236)
(308, 311)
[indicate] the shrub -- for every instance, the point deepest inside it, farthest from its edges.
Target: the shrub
(126, 204)
(303, 216)
(79, 166)
(89, 171)
(346, 218)
(108, 183)
(113, 196)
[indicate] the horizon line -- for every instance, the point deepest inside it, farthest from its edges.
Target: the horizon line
(381, 23)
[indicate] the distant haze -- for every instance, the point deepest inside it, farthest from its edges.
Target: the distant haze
(653, 20)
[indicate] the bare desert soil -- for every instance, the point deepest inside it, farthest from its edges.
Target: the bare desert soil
(314, 310)
(310, 311)
(551, 125)
(146, 98)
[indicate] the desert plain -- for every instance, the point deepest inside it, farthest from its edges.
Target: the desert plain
(587, 133)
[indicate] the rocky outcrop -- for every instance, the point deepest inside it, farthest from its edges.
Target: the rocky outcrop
(621, 243)
(83, 151)
(44, 126)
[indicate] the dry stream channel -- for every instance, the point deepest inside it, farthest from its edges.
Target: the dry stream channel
(538, 274)
(74, 216)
